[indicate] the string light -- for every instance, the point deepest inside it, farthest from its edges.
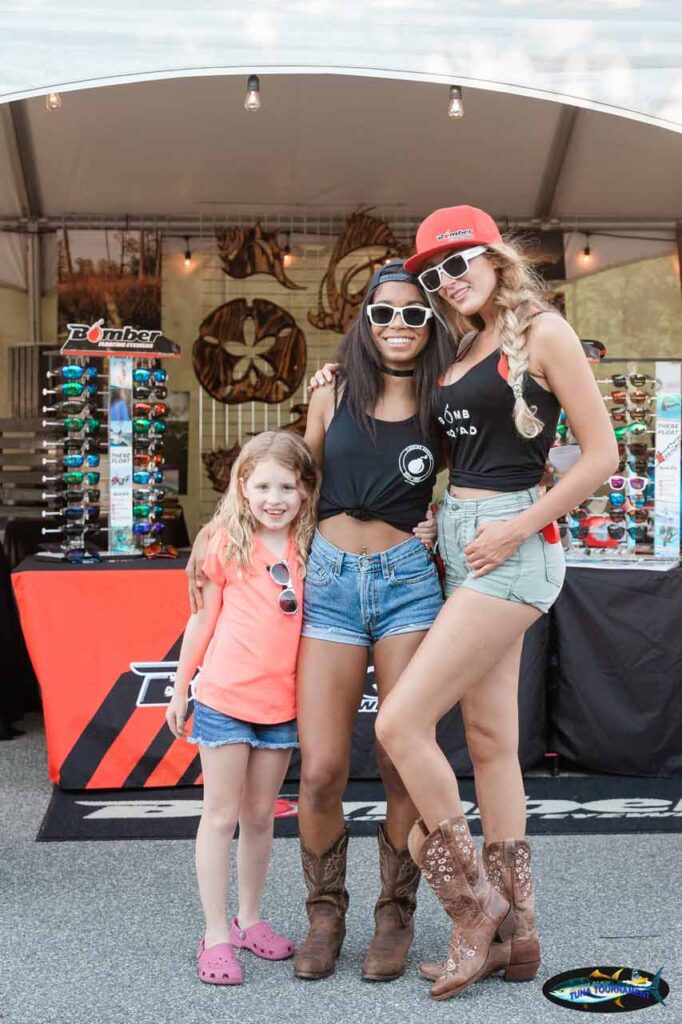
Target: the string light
(287, 258)
(586, 254)
(456, 108)
(188, 253)
(53, 101)
(252, 101)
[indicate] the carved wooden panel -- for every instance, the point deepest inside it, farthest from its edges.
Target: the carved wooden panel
(249, 352)
(248, 251)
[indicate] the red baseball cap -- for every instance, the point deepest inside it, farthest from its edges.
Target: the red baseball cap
(454, 227)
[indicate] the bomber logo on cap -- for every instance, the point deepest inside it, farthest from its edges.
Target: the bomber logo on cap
(452, 236)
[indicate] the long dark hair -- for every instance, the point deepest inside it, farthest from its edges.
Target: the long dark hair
(361, 367)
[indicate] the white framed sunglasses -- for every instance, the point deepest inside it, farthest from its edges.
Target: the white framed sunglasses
(451, 268)
(382, 314)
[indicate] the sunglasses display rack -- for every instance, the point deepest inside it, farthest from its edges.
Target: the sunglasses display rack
(105, 422)
(634, 518)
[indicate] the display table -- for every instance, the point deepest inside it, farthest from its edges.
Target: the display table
(617, 705)
(101, 638)
(105, 639)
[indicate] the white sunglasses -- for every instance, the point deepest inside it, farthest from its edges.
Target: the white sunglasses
(382, 314)
(451, 268)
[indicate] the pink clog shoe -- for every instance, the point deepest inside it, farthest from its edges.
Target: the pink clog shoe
(262, 940)
(218, 964)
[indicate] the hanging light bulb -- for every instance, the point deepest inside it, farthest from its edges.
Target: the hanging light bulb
(252, 101)
(188, 253)
(53, 101)
(586, 254)
(456, 108)
(287, 258)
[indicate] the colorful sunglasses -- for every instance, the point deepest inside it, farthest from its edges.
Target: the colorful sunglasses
(143, 376)
(159, 410)
(142, 529)
(71, 371)
(145, 391)
(160, 551)
(82, 556)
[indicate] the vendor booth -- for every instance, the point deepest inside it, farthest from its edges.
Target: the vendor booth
(183, 243)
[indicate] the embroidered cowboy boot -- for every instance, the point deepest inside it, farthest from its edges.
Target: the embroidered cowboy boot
(393, 913)
(479, 913)
(327, 903)
(507, 865)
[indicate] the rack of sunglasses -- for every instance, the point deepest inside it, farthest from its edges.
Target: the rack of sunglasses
(635, 516)
(105, 424)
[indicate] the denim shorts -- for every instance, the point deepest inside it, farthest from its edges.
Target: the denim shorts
(533, 575)
(359, 599)
(212, 728)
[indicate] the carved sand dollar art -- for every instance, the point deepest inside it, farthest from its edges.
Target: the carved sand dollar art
(249, 353)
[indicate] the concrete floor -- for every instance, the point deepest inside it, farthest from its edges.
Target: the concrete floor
(102, 933)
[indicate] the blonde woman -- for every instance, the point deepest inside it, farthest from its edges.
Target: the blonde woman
(518, 363)
(245, 636)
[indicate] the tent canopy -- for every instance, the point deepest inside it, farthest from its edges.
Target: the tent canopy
(187, 147)
(622, 56)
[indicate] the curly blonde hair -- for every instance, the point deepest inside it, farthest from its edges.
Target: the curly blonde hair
(234, 514)
(519, 294)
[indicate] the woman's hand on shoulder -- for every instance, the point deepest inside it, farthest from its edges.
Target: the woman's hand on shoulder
(195, 577)
(324, 376)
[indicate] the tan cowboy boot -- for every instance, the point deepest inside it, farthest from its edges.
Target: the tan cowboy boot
(507, 865)
(327, 903)
(479, 913)
(394, 927)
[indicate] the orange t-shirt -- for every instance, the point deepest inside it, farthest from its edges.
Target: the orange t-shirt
(249, 669)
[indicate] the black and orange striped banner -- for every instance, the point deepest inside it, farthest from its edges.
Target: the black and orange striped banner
(104, 644)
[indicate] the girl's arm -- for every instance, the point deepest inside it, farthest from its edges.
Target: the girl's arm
(198, 633)
(567, 371)
(320, 413)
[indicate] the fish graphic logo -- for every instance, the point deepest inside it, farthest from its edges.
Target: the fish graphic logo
(607, 989)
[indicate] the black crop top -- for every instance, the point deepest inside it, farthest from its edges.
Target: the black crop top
(487, 451)
(389, 477)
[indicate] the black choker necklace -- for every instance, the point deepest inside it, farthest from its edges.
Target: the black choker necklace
(396, 373)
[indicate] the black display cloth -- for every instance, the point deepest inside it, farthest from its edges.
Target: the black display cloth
(18, 685)
(617, 702)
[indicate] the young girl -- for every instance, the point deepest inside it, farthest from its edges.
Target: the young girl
(245, 637)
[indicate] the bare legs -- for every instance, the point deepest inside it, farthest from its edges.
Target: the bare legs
(331, 678)
(240, 784)
(475, 640)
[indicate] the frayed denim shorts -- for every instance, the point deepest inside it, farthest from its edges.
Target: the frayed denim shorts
(212, 728)
(360, 599)
(533, 575)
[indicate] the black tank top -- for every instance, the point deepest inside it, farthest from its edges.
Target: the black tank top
(487, 451)
(388, 477)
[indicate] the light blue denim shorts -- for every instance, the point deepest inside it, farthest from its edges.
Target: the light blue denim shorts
(211, 728)
(359, 599)
(533, 575)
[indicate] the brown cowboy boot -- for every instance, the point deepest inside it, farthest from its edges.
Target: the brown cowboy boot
(479, 913)
(394, 927)
(327, 903)
(507, 865)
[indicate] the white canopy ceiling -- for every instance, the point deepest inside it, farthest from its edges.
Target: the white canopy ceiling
(187, 147)
(622, 56)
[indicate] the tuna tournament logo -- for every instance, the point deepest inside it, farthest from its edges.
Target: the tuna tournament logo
(606, 989)
(415, 463)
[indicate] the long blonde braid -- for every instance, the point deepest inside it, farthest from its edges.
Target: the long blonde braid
(519, 294)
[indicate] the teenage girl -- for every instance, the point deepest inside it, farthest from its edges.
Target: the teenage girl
(517, 365)
(370, 583)
(245, 636)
